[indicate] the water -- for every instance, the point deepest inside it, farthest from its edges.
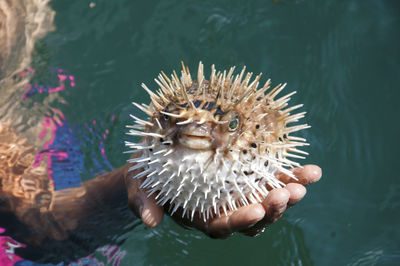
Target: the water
(342, 57)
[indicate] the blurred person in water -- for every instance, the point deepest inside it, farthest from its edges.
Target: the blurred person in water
(46, 213)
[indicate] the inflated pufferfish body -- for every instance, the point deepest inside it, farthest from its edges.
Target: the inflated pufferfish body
(214, 145)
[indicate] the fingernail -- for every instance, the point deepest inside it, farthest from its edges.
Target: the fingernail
(147, 218)
(317, 173)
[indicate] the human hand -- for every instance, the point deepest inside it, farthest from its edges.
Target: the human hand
(249, 220)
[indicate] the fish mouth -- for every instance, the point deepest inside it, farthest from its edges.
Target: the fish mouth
(195, 142)
(195, 137)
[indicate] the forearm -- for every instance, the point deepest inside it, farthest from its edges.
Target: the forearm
(104, 190)
(103, 193)
(70, 209)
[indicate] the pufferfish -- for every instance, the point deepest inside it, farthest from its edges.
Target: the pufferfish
(210, 146)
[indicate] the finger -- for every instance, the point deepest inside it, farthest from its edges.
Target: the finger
(146, 208)
(276, 201)
(243, 218)
(274, 205)
(297, 192)
(306, 175)
(225, 225)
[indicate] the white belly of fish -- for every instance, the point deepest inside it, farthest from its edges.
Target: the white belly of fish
(205, 181)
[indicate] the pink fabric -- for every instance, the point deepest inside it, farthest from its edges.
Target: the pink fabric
(7, 250)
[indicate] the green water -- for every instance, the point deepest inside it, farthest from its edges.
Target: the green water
(342, 57)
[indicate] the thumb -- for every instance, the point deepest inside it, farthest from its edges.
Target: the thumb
(146, 208)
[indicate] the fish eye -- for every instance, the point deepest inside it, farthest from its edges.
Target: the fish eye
(166, 117)
(233, 124)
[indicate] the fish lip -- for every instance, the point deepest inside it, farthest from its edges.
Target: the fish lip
(195, 136)
(195, 130)
(195, 141)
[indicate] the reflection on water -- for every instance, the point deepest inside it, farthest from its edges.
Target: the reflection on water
(22, 23)
(42, 156)
(34, 179)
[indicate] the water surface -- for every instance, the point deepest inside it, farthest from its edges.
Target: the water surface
(342, 57)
